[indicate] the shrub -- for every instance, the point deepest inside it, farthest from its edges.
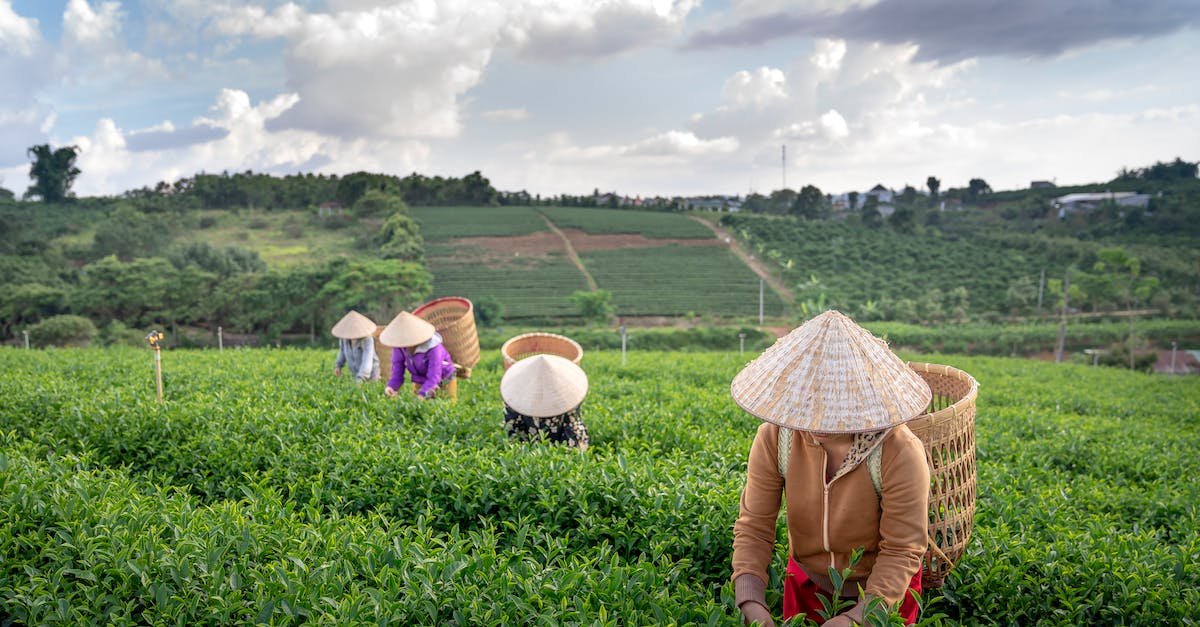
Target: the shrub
(65, 330)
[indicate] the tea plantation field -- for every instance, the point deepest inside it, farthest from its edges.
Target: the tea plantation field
(266, 490)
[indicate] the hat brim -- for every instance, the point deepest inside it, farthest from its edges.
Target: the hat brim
(406, 330)
(831, 376)
(544, 385)
(353, 326)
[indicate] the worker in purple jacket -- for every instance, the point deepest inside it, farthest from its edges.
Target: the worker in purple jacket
(418, 350)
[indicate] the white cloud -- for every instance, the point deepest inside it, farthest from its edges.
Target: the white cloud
(553, 30)
(108, 163)
(761, 88)
(828, 54)
(678, 143)
(92, 42)
(400, 69)
(1108, 94)
(506, 115)
(19, 36)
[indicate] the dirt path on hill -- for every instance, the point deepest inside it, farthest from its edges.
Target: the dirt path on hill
(572, 255)
(736, 246)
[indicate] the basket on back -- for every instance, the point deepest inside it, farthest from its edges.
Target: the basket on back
(948, 431)
(454, 318)
(529, 344)
(384, 353)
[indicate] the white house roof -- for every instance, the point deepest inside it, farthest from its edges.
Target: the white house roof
(1093, 197)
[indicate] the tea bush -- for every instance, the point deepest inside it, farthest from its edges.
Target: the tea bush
(264, 489)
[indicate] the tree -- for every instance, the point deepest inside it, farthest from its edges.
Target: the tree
(375, 202)
(129, 233)
(782, 200)
(933, 184)
(489, 311)
(808, 202)
(53, 172)
(1124, 270)
(977, 188)
(400, 238)
(870, 212)
(594, 306)
(854, 200)
(378, 288)
(353, 186)
(755, 203)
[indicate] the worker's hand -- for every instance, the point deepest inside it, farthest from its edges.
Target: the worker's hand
(755, 613)
(841, 620)
(389, 392)
(337, 372)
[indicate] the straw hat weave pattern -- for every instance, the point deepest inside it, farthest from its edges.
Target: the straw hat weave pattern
(405, 330)
(543, 386)
(353, 326)
(830, 375)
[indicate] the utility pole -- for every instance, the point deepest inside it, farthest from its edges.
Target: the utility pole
(1041, 286)
(1062, 323)
(783, 163)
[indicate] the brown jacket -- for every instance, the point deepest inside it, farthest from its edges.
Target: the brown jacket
(826, 522)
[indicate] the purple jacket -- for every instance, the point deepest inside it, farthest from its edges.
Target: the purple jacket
(428, 368)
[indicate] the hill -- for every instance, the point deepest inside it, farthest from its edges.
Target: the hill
(236, 252)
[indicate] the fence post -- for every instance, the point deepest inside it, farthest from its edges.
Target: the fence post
(741, 343)
(26, 334)
(623, 345)
(1173, 345)
(220, 340)
(1062, 324)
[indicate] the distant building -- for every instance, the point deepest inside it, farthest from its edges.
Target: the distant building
(732, 204)
(330, 208)
(1041, 185)
(1186, 362)
(950, 204)
(886, 210)
(881, 193)
(1073, 203)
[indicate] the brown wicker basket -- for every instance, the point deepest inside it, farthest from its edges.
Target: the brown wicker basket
(948, 431)
(454, 319)
(384, 353)
(529, 344)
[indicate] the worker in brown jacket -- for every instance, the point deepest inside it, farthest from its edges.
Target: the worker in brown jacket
(850, 473)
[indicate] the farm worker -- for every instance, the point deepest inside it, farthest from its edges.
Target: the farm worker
(417, 349)
(356, 347)
(852, 474)
(542, 397)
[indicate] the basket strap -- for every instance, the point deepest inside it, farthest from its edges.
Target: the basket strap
(785, 451)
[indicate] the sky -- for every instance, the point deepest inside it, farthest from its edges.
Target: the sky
(638, 97)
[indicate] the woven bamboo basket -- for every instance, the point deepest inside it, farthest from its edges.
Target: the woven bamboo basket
(947, 429)
(384, 353)
(530, 344)
(454, 318)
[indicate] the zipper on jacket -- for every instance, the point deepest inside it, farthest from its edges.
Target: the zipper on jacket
(825, 507)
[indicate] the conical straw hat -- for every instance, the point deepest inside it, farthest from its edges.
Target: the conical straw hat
(830, 375)
(544, 385)
(353, 326)
(405, 330)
